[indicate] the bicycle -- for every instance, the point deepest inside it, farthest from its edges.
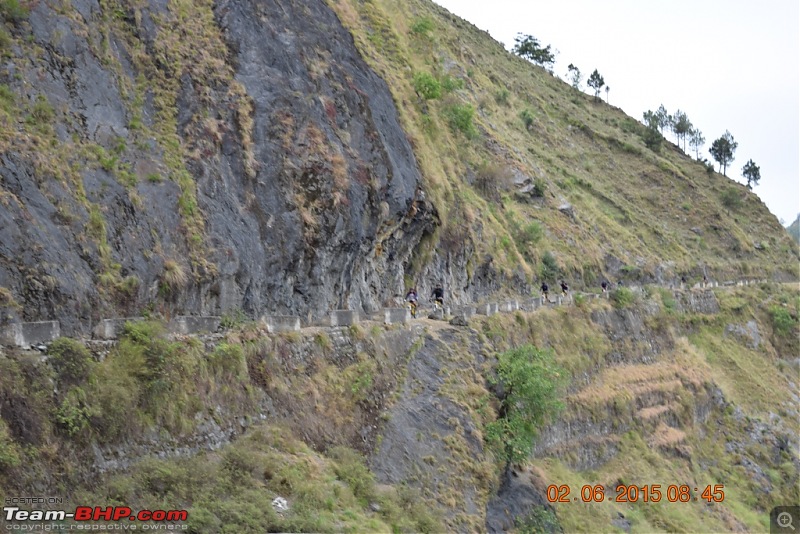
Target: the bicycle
(438, 305)
(412, 305)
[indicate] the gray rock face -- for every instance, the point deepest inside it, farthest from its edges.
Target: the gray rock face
(516, 499)
(324, 215)
(420, 425)
(748, 333)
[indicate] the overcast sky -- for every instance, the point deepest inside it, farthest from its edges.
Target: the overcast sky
(729, 64)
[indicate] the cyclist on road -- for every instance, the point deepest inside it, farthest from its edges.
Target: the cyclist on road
(564, 288)
(544, 291)
(411, 298)
(604, 285)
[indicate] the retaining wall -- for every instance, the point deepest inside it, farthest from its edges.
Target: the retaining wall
(193, 324)
(489, 308)
(26, 335)
(344, 317)
(509, 306)
(281, 323)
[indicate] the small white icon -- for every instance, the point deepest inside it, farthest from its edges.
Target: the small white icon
(785, 520)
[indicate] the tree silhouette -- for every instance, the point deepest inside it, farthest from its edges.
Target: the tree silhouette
(722, 150)
(752, 172)
(574, 76)
(696, 140)
(663, 118)
(650, 119)
(529, 48)
(596, 82)
(681, 126)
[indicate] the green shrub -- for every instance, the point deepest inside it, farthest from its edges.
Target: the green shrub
(782, 320)
(128, 286)
(41, 113)
(233, 319)
(530, 234)
(70, 360)
(622, 297)
(228, 359)
(144, 341)
(540, 519)
(731, 198)
(116, 387)
(13, 11)
(549, 269)
(459, 117)
(427, 86)
(501, 96)
(351, 469)
(531, 382)
(73, 414)
(527, 118)
(450, 84)
(422, 26)
(96, 226)
(668, 300)
(539, 188)
(361, 379)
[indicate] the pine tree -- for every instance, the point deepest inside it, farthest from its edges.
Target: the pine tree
(722, 150)
(752, 173)
(596, 82)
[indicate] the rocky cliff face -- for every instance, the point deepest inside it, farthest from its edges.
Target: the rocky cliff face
(240, 156)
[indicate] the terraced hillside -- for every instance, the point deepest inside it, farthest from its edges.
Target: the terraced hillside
(687, 387)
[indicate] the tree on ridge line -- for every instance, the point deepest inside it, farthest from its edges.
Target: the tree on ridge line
(722, 150)
(752, 173)
(596, 82)
(528, 47)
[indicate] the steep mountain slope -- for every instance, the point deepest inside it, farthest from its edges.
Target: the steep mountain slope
(623, 205)
(248, 157)
(199, 158)
(190, 157)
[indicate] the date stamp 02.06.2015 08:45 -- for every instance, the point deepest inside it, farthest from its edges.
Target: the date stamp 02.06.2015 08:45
(624, 493)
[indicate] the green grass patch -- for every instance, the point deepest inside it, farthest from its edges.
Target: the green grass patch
(623, 297)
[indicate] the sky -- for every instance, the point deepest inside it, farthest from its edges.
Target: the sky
(728, 64)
